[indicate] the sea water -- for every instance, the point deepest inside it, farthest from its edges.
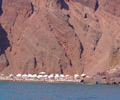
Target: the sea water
(57, 91)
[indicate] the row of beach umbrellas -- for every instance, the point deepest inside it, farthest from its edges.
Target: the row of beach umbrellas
(40, 76)
(82, 75)
(44, 75)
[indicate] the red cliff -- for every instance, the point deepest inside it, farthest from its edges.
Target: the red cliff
(59, 36)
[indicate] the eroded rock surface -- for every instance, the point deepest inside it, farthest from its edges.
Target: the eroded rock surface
(58, 36)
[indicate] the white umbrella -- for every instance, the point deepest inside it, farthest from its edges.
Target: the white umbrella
(50, 76)
(11, 75)
(45, 76)
(76, 76)
(2, 74)
(30, 75)
(40, 76)
(24, 75)
(35, 75)
(66, 75)
(18, 75)
(57, 75)
(83, 75)
(62, 76)
(42, 73)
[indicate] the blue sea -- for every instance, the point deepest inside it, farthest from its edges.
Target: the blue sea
(60, 91)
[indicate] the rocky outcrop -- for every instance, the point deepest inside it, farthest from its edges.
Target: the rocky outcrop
(90, 3)
(115, 52)
(112, 6)
(3, 46)
(0, 7)
(58, 36)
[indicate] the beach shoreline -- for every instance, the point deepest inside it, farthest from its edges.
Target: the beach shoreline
(42, 81)
(57, 81)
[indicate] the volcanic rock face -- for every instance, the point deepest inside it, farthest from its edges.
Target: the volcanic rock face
(58, 36)
(113, 6)
(0, 7)
(90, 3)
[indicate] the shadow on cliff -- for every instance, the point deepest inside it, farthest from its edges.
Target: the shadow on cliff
(1, 8)
(96, 5)
(4, 42)
(64, 5)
